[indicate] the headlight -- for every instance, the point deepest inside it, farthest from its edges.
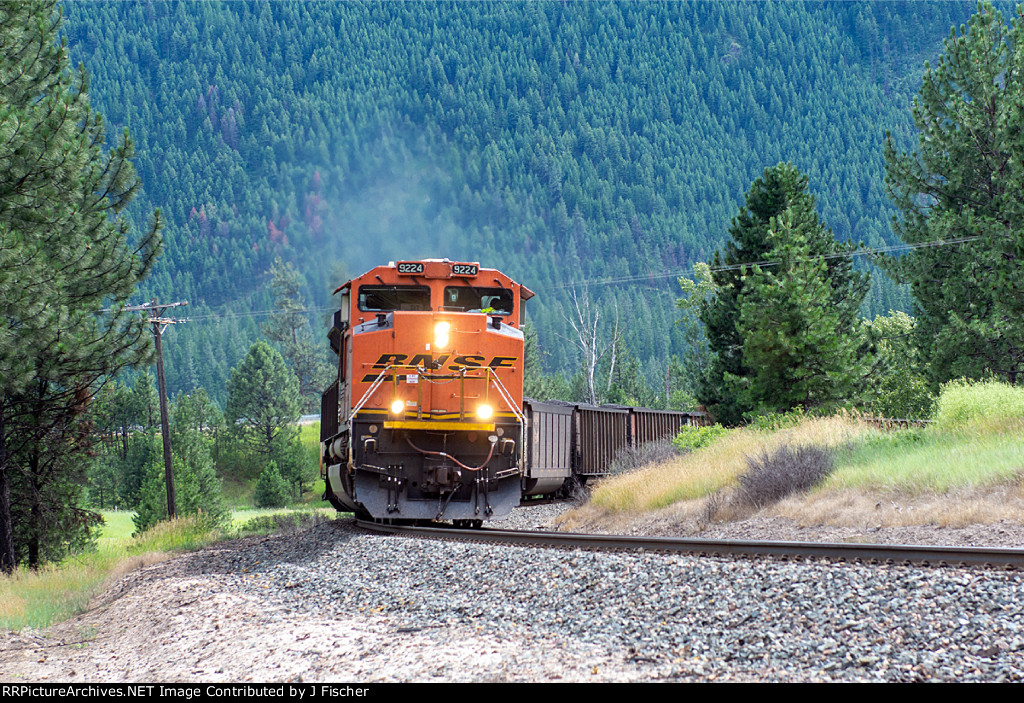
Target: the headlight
(484, 412)
(441, 330)
(398, 407)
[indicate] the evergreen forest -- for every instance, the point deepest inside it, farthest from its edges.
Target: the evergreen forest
(761, 209)
(591, 150)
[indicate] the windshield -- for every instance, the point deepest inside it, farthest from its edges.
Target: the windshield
(497, 301)
(387, 298)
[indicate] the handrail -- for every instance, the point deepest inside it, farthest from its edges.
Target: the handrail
(369, 392)
(507, 396)
(489, 374)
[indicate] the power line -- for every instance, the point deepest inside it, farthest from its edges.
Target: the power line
(635, 278)
(763, 264)
(254, 313)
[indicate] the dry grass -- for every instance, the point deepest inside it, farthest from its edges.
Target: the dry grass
(862, 509)
(717, 466)
(974, 505)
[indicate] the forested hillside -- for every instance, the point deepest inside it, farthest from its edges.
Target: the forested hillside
(564, 143)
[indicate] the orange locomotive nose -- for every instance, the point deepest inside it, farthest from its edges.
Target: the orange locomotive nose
(430, 371)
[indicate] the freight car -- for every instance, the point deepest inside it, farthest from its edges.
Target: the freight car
(567, 444)
(427, 420)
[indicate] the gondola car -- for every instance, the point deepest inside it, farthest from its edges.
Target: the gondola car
(568, 444)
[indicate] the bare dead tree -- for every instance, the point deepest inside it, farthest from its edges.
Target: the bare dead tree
(585, 324)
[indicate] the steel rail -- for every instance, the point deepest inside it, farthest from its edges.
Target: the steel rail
(1000, 557)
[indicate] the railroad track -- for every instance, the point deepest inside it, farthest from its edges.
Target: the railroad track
(992, 557)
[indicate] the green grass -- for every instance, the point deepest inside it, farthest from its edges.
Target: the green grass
(309, 436)
(117, 527)
(937, 462)
(965, 406)
(977, 439)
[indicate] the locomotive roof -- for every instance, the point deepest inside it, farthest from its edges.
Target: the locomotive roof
(442, 269)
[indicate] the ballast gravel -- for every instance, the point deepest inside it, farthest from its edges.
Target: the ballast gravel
(334, 603)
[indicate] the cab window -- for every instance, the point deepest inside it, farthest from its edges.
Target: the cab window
(496, 301)
(388, 298)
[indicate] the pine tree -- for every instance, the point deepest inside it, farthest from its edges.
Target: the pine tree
(195, 423)
(263, 411)
(960, 195)
(795, 347)
(152, 507)
(263, 398)
(271, 490)
(66, 272)
(48, 482)
(781, 189)
(288, 325)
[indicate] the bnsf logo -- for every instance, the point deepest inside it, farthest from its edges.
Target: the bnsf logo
(427, 361)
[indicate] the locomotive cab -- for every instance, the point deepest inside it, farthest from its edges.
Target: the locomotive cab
(425, 419)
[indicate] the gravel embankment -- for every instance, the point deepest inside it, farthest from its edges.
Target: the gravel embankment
(334, 603)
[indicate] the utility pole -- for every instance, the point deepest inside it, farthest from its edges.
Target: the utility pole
(156, 311)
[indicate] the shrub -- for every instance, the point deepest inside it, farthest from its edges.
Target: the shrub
(197, 489)
(657, 452)
(271, 489)
(291, 521)
(902, 397)
(899, 387)
(770, 421)
(776, 474)
(964, 404)
(691, 438)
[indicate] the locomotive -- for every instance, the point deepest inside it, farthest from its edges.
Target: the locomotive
(427, 420)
